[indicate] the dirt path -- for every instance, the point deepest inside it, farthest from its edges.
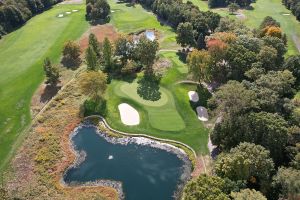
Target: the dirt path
(296, 41)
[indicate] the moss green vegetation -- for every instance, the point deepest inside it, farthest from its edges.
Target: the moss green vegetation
(261, 9)
(129, 19)
(21, 54)
(173, 118)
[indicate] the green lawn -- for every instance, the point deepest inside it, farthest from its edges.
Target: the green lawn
(263, 8)
(129, 19)
(21, 55)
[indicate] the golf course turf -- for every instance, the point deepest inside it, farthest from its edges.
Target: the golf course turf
(21, 54)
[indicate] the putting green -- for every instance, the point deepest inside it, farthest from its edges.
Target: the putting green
(162, 114)
(130, 90)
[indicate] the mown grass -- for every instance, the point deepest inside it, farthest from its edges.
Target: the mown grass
(21, 54)
(129, 19)
(194, 134)
(261, 9)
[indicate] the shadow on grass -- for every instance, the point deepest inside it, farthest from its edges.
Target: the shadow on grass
(148, 88)
(49, 92)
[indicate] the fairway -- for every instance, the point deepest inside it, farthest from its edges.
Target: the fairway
(129, 19)
(261, 9)
(21, 54)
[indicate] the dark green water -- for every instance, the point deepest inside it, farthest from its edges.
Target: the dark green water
(146, 173)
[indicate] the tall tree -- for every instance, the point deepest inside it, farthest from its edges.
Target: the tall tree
(52, 72)
(185, 34)
(107, 54)
(93, 84)
(205, 187)
(91, 59)
(145, 52)
(71, 54)
(246, 162)
(95, 45)
(199, 65)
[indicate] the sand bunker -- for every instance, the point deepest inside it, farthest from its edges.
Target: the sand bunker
(202, 113)
(68, 13)
(193, 96)
(60, 15)
(75, 10)
(129, 116)
(286, 14)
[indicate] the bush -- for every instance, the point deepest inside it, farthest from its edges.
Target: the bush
(95, 107)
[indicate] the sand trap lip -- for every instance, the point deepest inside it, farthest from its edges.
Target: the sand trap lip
(202, 113)
(129, 115)
(193, 95)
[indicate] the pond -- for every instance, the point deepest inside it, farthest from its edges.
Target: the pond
(146, 172)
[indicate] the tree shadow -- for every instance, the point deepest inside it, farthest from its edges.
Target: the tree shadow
(70, 63)
(49, 92)
(182, 55)
(148, 88)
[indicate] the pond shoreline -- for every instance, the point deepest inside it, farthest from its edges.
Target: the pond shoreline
(124, 140)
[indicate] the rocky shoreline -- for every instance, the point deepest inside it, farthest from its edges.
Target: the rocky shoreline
(124, 140)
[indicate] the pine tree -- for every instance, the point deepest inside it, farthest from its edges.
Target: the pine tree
(93, 42)
(107, 54)
(91, 59)
(52, 72)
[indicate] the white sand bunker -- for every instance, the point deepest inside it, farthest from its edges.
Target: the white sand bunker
(202, 113)
(193, 96)
(75, 10)
(60, 15)
(129, 115)
(68, 13)
(286, 14)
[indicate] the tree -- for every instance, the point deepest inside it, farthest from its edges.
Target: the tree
(107, 54)
(185, 34)
(205, 187)
(272, 31)
(93, 84)
(233, 7)
(239, 60)
(199, 65)
(247, 194)
(233, 98)
(287, 181)
(91, 59)
(71, 54)
(277, 44)
(145, 52)
(97, 10)
(124, 48)
(267, 57)
(292, 64)
(268, 130)
(268, 21)
(52, 72)
(95, 45)
(248, 162)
